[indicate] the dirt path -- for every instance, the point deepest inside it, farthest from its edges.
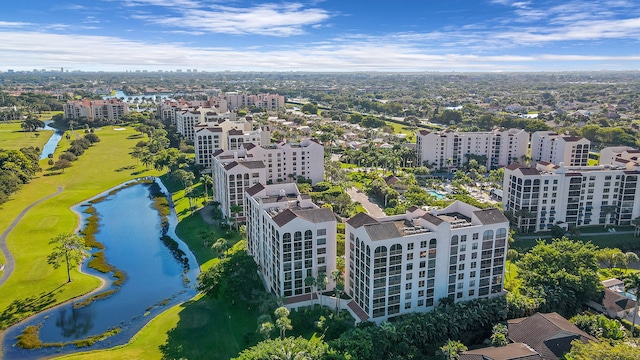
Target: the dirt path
(10, 265)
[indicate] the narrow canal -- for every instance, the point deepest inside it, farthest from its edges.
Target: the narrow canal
(52, 143)
(130, 229)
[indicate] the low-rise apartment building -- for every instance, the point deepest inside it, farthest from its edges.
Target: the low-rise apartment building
(571, 196)
(406, 263)
(289, 237)
(452, 149)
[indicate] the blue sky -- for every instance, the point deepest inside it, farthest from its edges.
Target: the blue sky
(331, 35)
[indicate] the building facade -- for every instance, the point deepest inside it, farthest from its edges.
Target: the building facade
(225, 135)
(406, 263)
(452, 149)
(619, 155)
(270, 164)
(554, 148)
(571, 196)
(289, 237)
(111, 109)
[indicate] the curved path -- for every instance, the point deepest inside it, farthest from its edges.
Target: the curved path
(9, 266)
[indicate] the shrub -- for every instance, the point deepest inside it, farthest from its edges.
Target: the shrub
(29, 339)
(92, 138)
(69, 156)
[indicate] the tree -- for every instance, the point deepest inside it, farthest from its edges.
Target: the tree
(564, 272)
(310, 281)
(499, 335)
(632, 285)
(232, 278)
(321, 284)
(265, 326)
(31, 124)
(70, 249)
(336, 276)
(611, 257)
(287, 349)
(221, 245)
(206, 181)
(603, 350)
(62, 164)
(512, 255)
(282, 320)
(452, 349)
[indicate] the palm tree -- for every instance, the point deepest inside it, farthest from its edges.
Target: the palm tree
(221, 246)
(206, 181)
(310, 281)
(632, 285)
(321, 284)
(336, 276)
(283, 322)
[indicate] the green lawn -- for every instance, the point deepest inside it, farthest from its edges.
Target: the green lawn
(625, 242)
(13, 138)
(35, 285)
(202, 328)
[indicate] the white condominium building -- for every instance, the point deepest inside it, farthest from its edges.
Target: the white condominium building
(111, 109)
(452, 149)
(225, 135)
(554, 148)
(231, 176)
(268, 164)
(571, 196)
(406, 263)
(289, 237)
(168, 110)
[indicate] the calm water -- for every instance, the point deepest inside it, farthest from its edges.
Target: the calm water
(130, 230)
(51, 145)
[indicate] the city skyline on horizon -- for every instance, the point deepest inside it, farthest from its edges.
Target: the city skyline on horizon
(321, 36)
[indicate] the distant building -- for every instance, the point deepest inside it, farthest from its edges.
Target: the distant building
(452, 149)
(111, 109)
(406, 263)
(554, 148)
(290, 238)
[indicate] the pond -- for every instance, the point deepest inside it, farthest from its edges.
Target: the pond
(130, 230)
(51, 145)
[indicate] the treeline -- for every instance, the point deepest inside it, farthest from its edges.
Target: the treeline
(76, 149)
(17, 167)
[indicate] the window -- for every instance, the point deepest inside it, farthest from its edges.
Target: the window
(322, 241)
(410, 246)
(410, 256)
(321, 232)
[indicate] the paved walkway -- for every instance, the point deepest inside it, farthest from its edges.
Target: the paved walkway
(372, 208)
(10, 265)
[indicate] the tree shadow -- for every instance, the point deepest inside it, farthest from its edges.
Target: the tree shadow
(211, 329)
(21, 308)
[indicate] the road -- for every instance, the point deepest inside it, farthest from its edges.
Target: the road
(372, 208)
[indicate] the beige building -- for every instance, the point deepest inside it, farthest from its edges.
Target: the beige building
(111, 109)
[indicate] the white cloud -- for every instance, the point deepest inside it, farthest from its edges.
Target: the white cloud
(14, 24)
(112, 53)
(269, 19)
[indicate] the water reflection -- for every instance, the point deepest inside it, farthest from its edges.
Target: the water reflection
(74, 323)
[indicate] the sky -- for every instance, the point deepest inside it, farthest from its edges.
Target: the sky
(330, 35)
